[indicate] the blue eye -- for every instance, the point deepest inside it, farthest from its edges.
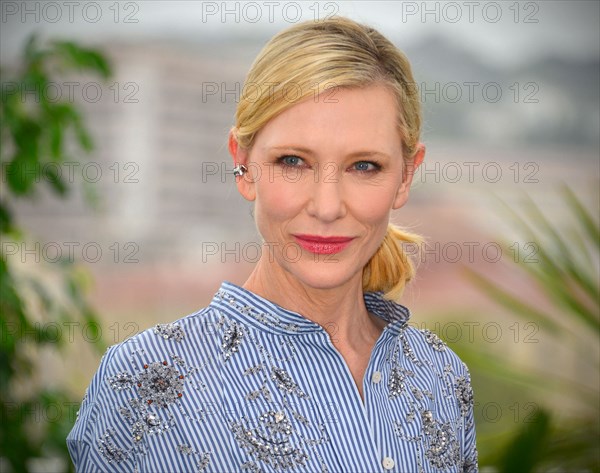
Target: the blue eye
(290, 160)
(366, 166)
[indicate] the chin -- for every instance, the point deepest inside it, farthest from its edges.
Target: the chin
(323, 274)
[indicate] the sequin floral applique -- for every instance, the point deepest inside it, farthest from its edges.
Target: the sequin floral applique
(435, 441)
(442, 449)
(269, 440)
(170, 331)
(232, 338)
(203, 459)
(464, 394)
(109, 450)
(157, 387)
(263, 318)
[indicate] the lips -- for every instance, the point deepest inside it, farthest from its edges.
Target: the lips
(323, 245)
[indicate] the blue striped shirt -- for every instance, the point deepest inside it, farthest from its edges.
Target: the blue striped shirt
(246, 385)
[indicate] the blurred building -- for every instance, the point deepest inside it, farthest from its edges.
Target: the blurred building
(161, 169)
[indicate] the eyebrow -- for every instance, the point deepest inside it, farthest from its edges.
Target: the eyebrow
(307, 151)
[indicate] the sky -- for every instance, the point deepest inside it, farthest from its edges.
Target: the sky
(507, 32)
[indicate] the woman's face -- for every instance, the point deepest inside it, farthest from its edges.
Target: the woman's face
(330, 166)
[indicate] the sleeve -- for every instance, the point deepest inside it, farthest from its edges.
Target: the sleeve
(100, 440)
(470, 464)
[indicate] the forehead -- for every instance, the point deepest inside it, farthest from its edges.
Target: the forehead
(341, 119)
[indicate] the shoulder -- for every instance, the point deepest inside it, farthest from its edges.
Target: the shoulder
(429, 346)
(163, 339)
(146, 372)
(154, 343)
(431, 355)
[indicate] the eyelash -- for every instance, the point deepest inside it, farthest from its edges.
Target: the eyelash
(377, 167)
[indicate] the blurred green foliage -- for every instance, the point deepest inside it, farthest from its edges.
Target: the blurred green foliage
(566, 275)
(34, 131)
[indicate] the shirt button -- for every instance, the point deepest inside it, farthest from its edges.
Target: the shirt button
(376, 376)
(387, 463)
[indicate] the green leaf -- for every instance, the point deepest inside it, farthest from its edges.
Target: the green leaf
(573, 446)
(32, 52)
(515, 305)
(557, 274)
(528, 446)
(83, 58)
(592, 228)
(5, 218)
(55, 180)
(56, 140)
(18, 178)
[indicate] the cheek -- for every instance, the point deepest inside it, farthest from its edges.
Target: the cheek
(372, 205)
(373, 211)
(276, 201)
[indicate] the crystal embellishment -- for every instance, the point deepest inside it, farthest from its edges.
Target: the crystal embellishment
(395, 383)
(120, 381)
(271, 320)
(443, 451)
(232, 338)
(185, 449)
(269, 442)
(109, 450)
(150, 423)
(203, 462)
(435, 341)
(285, 383)
(169, 331)
(253, 369)
(277, 422)
(160, 383)
(464, 394)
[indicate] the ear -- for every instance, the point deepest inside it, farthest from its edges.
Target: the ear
(245, 183)
(409, 170)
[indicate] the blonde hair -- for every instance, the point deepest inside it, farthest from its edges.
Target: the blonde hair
(311, 57)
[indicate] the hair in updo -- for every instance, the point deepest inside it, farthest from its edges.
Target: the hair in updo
(337, 52)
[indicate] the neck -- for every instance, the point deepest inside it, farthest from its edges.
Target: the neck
(340, 310)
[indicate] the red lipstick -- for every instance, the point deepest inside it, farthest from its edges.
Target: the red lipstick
(323, 245)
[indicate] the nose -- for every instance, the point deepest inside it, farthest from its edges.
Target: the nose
(326, 200)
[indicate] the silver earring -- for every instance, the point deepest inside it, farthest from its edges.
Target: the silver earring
(239, 170)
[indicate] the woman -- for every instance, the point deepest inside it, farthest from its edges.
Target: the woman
(310, 365)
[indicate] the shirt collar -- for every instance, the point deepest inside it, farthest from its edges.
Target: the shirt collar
(261, 313)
